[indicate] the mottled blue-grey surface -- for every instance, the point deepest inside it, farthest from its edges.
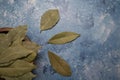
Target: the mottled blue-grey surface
(93, 56)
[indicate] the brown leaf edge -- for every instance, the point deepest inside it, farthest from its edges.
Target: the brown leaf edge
(2, 78)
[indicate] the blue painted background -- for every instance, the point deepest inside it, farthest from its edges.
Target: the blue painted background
(93, 56)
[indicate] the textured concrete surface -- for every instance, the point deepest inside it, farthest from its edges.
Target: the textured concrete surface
(93, 56)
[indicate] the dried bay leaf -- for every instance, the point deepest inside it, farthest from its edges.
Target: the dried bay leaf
(60, 65)
(49, 19)
(16, 69)
(13, 53)
(16, 58)
(27, 76)
(6, 64)
(17, 33)
(63, 37)
(4, 44)
(30, 57)
(31, 46)
(2, 35)
(16, 50)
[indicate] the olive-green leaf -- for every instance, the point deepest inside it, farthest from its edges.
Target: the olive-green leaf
(49, 19)
(2, 35)
(6, 64)
(63, 37)
(17, 54)
(31, 46)
(59, 65)
(16, 69)
(30, 57)
(27, 76)
(14, 34)
(13, 53)
(17, 33)
(4, 43)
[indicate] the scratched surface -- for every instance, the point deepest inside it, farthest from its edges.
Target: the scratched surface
(93, 56)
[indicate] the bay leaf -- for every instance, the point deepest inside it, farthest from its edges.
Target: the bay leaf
(17, 32)
(30, 57)
(49, 19)
(2, 35)
(16, 69)
(13, 53)
(59, 65)
(31, 46)
(63, 37)
(27, 76)
(6, 64)
(4, 43)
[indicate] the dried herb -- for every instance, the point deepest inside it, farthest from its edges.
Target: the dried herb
(6, 64)
(4, 43)
(13, 53)
(18, 68)
(2, 36)
(17, 33)
(63, 37)
(31, 46)
(17, 53)
(60, 65)
(49, 19)
(27, 76)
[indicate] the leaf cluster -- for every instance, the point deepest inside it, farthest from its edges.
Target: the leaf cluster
(17, 55)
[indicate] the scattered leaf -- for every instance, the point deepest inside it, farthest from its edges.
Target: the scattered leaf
(63, 37)
(60, 65)
(49, 19)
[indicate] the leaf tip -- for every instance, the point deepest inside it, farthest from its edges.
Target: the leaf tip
(79, 35)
